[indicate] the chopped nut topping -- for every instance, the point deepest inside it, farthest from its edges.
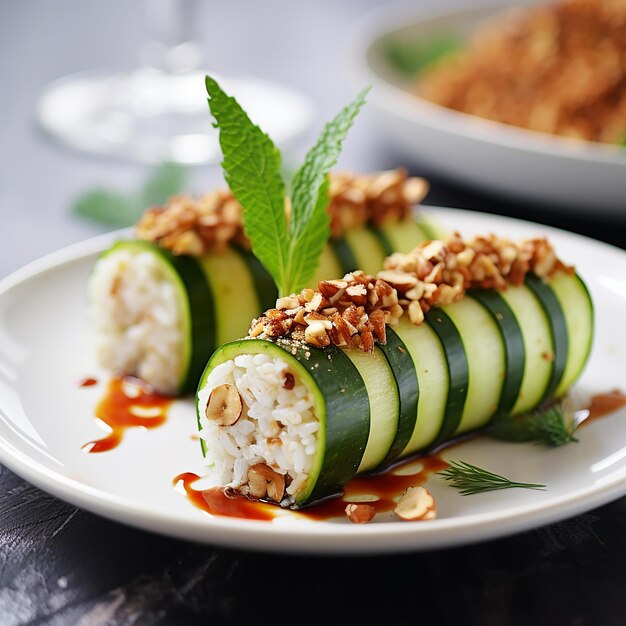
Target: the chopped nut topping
(361, 307)
(442, 271)
(377, 198)
(354, 311)
(360, 513)
(263, 482)
(224, 405)
(416, 504)
(186, 225)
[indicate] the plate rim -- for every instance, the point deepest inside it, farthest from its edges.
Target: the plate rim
(324, 538)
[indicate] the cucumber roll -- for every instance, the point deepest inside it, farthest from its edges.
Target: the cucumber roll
(160, 304)
(367, 371)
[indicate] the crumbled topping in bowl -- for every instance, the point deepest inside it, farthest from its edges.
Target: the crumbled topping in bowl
(556, 68)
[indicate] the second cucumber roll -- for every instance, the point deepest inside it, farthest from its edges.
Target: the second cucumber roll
(162, 302)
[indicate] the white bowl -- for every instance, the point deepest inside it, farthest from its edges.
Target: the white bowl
(563, 172)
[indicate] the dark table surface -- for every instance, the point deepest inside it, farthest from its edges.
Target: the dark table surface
(62, 565)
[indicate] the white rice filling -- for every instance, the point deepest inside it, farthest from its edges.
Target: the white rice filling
(136, 318)
(277, 427)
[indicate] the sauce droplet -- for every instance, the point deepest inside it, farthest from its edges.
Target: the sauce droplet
(603, 404)
(128, 402)
(87, 382)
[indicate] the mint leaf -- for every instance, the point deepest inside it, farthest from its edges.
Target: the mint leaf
(108, 207)
(309, 220)
(251, 164)
(167, 180)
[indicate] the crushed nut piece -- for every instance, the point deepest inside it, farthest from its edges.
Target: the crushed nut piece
(263, 482)
(416, 504)
(360, 513)
(224, 405)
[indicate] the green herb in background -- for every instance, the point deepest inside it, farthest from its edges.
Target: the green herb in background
(409, 57)
(289, 249)
(552, 425)
(470, 479)
(120, 209)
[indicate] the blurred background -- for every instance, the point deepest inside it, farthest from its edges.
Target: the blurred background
(70, 168)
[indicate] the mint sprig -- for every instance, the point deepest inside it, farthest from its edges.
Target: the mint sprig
(309, 223)
(289, 249)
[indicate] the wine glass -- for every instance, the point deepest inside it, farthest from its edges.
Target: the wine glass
(158, 111)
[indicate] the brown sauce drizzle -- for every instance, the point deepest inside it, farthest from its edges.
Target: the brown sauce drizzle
(119, 410)
(386, 487)
(216, 501)
(603, 404)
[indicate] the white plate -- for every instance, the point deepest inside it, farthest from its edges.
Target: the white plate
(509, 160)
(45, 418)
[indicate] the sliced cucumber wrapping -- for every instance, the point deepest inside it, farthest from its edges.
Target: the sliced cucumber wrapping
(488, 353)
(214, 298)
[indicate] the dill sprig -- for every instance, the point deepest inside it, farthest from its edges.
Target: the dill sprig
(470, 479)
(551, 425)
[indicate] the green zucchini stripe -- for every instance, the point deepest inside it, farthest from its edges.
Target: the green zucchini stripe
(383, 240)
(344, 254)
(403, 369)
(515, 354)
(458, 371)
(264, 286)
(558, 330)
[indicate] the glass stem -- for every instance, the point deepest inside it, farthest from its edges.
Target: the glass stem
(170, 46)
